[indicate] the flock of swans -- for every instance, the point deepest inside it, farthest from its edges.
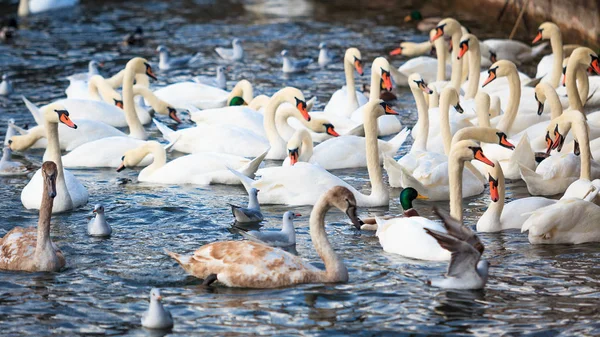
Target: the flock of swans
(468, 125)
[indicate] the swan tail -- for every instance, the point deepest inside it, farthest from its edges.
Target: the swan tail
(311, 103)
(523, 155)
(357, 131)
(538, 49)
(399, 139)
(394, 171)
(409, 181)
(167, 133)
(533, 82)
(244, 179)
(532, 179)
(250, 169)
(34, 110)
(182, 260)
(17, 128)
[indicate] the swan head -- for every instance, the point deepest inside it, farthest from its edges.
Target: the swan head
(98, 209)
(467, 150)
(354, 58)
(293, 96)
(447, 26)
(467, 41)
(495, 177)
(545, 32)
(416, 81)
(155, 295)
(242, 89)
(501, 68)
(586, 57)
(540, 95)
(450, 95)
(381, 69)
(133, 157)
(49, 173)
(341, 198)
(556, 134)
(140, 66)
(57, 113)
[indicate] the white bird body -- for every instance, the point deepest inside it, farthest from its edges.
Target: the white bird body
(98, 226)
(157, 317)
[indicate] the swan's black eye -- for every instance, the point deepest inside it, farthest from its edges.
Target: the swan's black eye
(122, 158)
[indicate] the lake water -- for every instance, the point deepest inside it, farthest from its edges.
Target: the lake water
(105, 286)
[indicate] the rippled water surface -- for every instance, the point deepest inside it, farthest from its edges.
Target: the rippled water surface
(104, 287)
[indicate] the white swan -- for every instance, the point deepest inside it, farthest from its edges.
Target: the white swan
(239, 141)
(202, 96)
(235, 53)
(550, 75)
(500, 216)
(70, 192)
(380, 78)
(513, 50)
(346, 100)
(557, 172)
(254, 265)
(199, 169)
(581, 57)
(406, 236)
(32, 249)
(303, 183)
(27, 7)
(105, 152)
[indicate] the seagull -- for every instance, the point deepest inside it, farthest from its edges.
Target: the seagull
(284, 238)
(6, 87)
(252, 212)
(466, 270)
(219, 81)
(232, 54)
(293, 66)
(98, 225)
(325, 56)
(156, 317)
(166, 62)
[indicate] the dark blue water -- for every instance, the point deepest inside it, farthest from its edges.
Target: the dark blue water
(105, 286)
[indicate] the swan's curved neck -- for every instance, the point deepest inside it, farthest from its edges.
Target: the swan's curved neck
(44, 244)
(270, 123)
(572, 93)
(445, 123)
(350, 85)
(335, 270)
(23, 8)
(99, 89)
(375, 84)
(514, 86)
(136, 129)
(583, 84)
(455, 170)
(456, 77)
(53, 151)
(307, 147)
(480, 134)
(474, 69)
(378, 189)
(581, 134)
(420, 144)
(557, 52)
(441, 51)
(482, 108)
(157, 104)
(495, 208)
(159, 154)
(554, 102)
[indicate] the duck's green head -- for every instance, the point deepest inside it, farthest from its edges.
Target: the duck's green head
(414, 16)
(407, 196)
(237, 100)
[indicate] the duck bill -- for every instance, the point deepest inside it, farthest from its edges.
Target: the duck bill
(358, 66)
(491, 77)
(537, 38)
(397, 51)
(331, 131)
(463, 50)
(422, 197)
(356, 221)
(482, 158)
(121, 167)
(494, 189)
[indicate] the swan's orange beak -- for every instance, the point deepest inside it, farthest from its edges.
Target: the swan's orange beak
(331, 131)
(118, 103)
(494, 189)
(293, 154)
(122, 166)
(63, 117)
(463, 49)
(564, 80)
(505, 143)
(301, 106)
(538, 37)
(558, 140)
(478, 155)
(358, 66)
(397, 51)
(173, 115)
(386, 80)
(491, 77)
(595, 64)
(388, 109)
(439, 31)
(549, 143)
